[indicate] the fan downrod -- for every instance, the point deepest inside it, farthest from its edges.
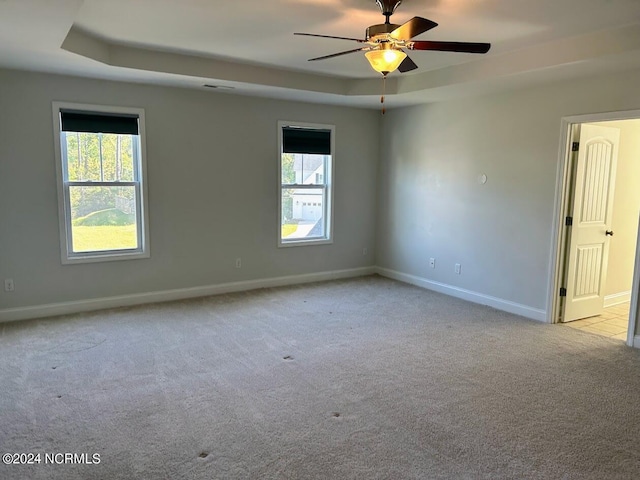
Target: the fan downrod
(387, 7)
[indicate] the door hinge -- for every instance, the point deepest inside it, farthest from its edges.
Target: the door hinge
(568, 221)
(563, 292)
(575, 146)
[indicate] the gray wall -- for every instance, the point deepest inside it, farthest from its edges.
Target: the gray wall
(213, 187)
(432, 205)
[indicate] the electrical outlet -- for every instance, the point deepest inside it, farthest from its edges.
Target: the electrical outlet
(457, 268)
(238, 263)
(432, 262)
(8, 285)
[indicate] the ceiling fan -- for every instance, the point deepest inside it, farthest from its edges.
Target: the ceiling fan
(386, 42)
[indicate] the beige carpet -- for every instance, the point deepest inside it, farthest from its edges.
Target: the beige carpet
(357, 379)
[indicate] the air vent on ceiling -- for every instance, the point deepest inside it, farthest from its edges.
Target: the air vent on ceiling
(218, 87)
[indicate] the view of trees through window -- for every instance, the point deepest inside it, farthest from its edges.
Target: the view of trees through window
(303, 195)
(101, 180)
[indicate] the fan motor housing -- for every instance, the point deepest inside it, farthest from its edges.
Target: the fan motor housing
(380, 29)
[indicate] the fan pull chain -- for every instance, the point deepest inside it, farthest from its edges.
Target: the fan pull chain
(384, 84)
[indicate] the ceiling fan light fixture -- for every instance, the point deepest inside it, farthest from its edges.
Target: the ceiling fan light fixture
(386, 60)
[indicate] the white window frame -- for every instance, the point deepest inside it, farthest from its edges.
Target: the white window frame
(140, 174)
(327, 186)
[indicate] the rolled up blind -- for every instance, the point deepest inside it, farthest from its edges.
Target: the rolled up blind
(306, 140)
(99, 123)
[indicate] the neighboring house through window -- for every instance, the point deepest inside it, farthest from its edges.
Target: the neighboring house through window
(100, 158)
(306, 166)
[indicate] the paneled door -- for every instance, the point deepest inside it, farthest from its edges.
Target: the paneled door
(591, 232)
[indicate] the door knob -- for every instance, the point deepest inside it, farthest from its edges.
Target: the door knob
(609, 232)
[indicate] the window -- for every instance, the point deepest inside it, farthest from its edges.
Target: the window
(305, 200)
(101, 191)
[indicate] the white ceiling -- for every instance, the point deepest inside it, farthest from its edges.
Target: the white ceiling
(249, 44)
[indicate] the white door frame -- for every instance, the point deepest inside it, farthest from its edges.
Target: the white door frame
(561, 205)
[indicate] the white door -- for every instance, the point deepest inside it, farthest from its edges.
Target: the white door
(591, 230)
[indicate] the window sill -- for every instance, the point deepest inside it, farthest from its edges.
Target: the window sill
(107, 257)
(304, 243)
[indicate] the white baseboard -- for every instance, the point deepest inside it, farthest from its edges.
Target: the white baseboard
(64, 308)
(475, 297)
(617, 298)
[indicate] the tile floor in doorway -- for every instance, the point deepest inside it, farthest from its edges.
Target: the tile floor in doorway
(613, 322)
